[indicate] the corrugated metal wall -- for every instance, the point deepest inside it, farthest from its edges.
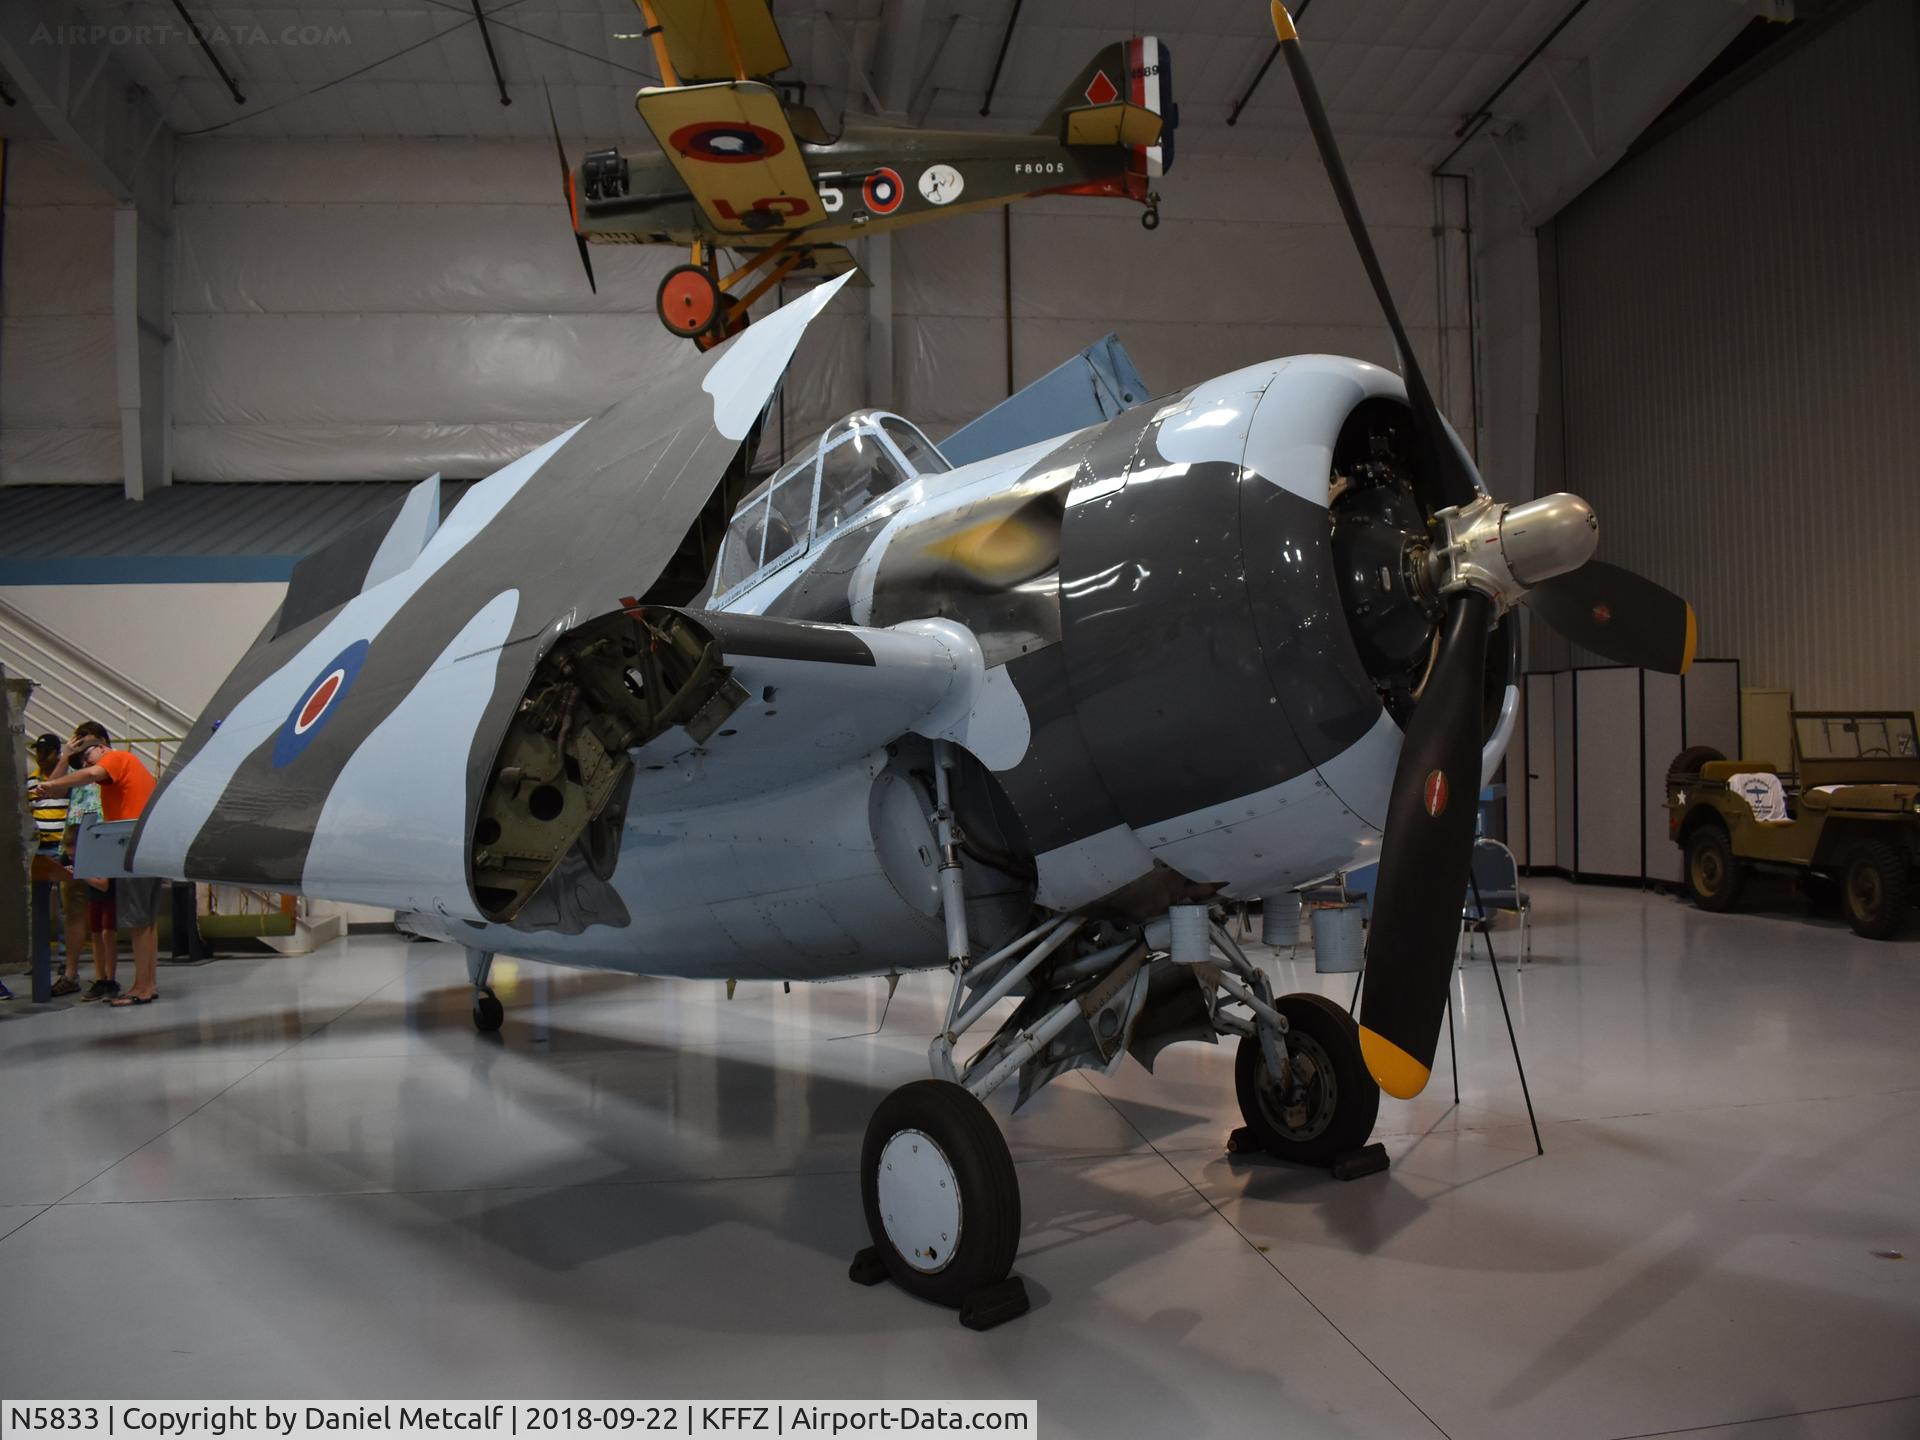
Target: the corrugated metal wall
(1739, 317)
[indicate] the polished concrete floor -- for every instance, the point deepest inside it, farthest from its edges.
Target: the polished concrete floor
(309, 1177)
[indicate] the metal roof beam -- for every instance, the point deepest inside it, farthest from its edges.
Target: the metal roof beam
(89, 103)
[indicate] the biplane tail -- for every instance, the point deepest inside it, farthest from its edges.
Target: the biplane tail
(1124, 96)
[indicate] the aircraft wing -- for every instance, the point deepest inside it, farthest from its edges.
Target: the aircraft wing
(696, 37)
(733, 149)
(358, 736)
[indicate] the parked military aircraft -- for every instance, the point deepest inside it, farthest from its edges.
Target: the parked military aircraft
(1030, 719)
(741, 167)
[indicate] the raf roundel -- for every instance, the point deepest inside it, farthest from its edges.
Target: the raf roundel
(318, 703)
(883, 191)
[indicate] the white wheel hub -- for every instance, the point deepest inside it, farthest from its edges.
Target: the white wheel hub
(919, 1201)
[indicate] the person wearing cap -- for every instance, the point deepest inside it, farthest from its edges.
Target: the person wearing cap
(126, 785)
(51, 825)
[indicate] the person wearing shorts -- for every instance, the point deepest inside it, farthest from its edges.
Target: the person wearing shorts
(126, 785)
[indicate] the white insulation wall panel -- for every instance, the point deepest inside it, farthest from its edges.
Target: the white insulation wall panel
(382, 309)
(1738, 308)
(59, 409)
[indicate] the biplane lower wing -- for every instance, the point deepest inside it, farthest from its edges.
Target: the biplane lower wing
(732, 147)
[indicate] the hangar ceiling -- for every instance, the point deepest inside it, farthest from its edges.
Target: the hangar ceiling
(1398, 75)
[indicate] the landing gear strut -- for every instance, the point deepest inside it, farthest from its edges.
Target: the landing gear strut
(488, 1012)
(941, 1197)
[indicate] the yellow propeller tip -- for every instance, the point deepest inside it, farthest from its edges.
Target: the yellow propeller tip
(1693, 640)
(1395, 1071)
(1283, 24)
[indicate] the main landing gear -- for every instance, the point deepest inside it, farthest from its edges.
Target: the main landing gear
(937, 1180)
(488, 1012)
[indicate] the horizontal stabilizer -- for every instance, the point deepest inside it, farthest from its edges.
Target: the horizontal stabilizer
(1117, 124)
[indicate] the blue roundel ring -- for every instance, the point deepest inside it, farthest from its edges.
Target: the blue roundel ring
(318, 703)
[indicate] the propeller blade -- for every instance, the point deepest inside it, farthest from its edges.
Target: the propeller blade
(1445, 480)
(566, 188)
(1616, 613)
(1424, 858)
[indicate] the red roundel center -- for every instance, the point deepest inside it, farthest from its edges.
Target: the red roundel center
(1436, 793)
(317, 702)
(1602, 613)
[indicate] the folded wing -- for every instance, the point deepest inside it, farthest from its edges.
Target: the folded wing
(387, 709)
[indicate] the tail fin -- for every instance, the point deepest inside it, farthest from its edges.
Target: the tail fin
(1136, 73)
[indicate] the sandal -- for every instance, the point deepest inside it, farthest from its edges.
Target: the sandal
(65, 985)
(121, 1002)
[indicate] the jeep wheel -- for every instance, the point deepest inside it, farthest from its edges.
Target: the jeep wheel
(1686, 765)
(1873, 896)
(1713, 874)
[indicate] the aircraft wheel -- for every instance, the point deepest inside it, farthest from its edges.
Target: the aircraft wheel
(1150, 218)
(1331, 1102)
(1714, 876)
(488, 1012)
(1873, 896)
(942, 1200)
(688, 301)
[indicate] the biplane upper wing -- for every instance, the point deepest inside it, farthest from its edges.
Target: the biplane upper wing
(733, 148)
(696, 36)
(349, 752)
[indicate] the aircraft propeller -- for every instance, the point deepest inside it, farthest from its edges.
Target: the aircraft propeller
(566, 187)
(1487, 557)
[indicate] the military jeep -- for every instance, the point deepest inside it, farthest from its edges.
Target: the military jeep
(1844, 820)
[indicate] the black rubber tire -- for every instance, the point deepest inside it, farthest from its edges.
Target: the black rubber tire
(1874, 890)
(983, 1171)
(1714, 876)
(1688, 762)
(1355, 1100)
(488, 1013)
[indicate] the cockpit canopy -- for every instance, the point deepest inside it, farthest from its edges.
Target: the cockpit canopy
(858, 460)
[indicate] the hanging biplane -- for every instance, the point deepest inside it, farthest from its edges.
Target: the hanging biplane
(1032, 719)
(742, 168)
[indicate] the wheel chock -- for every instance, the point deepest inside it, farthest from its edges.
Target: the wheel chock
(867, 1268)
(1353, 1164)
(994, 1305)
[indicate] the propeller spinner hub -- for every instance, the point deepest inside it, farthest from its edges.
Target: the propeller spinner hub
(1505, 550)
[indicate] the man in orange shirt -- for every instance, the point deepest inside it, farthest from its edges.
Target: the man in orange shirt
(126, 785)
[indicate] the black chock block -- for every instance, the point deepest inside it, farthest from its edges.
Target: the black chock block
(995, 1304)
(867, 1268)
(1352, 1164)
(1241, 1142)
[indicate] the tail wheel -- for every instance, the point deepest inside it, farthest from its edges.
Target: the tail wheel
(1327, 1103)
(488, 1012)
(1874, 890)
(1714, 875)
(942, 1200)
(689, 302)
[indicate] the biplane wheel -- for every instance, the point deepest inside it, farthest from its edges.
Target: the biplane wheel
(689, 302)
(488, 1012)
(1335, 1102)
(942, 1201)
